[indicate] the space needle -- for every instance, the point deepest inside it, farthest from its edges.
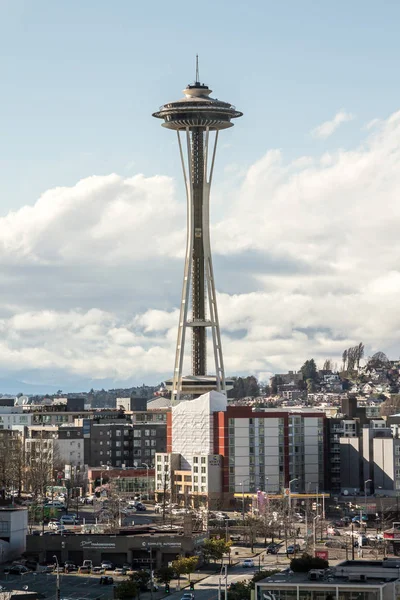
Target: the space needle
(197, 118)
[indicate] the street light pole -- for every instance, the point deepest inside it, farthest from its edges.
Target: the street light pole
(290, 494)
(58, 594)
(315, 531)
(147, 480)
(151, 573)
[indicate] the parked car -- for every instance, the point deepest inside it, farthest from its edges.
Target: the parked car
(98, 570)
(55, 504)
(356, 519)
(293, 548)
(140, 506)
(107, 565)
(248, 563)
(106, 580)
(119, 571)
(85, 570)
(235, 537)
(273, 548)
(17, 570)
(67, 520)
(127, 567)
(54, 524)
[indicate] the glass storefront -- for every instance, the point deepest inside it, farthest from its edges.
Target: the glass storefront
(323, 593)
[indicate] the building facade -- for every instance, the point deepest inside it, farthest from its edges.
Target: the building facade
(221, 450)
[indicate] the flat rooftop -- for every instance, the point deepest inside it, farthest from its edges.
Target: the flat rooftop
(348, 572)
(331, 579)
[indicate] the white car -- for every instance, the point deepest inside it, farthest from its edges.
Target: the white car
(248, 563)
(67, 520)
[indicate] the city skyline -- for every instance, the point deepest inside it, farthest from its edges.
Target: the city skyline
(305, 203)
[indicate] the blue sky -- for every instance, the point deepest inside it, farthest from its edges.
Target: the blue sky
(305, 215)
(80, 79)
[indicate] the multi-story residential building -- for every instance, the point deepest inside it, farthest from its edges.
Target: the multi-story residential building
(227, 449)
(70, 445)
(13, 416)
(123, 443)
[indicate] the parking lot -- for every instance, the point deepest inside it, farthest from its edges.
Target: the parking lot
(71, 586)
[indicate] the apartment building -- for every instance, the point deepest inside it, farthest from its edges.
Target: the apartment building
(123, 443)
(225, 449)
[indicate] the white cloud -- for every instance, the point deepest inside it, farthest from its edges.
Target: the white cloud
(306, 264)
(327, 128)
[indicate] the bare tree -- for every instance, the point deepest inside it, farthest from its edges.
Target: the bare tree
(360, 354)
(344, 359)
(41, 456)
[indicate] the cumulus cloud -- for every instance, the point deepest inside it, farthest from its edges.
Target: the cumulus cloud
(326, 129)
(306, 264)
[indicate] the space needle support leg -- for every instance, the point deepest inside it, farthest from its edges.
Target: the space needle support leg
(209, 273)
(180, 346)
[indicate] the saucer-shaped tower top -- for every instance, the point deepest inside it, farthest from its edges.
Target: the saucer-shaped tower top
(197, 109)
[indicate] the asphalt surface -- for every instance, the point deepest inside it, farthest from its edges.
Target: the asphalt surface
(71, 586)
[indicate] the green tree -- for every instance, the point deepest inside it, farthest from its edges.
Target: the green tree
(215, 549)
(307, 562)
(185, 566)
(309, 370)
(126, 590)
(165, 574)
(240, 590)
(141, 579)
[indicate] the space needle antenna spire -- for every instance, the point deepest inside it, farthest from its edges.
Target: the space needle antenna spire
(198, 118)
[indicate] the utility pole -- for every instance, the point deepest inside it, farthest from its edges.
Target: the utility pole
(147, 480)
(151, 574)
(58, 593)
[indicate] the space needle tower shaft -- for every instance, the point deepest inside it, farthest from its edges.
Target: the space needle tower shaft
(197, 118)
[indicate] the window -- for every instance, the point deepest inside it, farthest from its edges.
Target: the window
(159, 458)
(203, 460)
(153, 442)
(147, 432)
(118, 433)
(195, 459)
(68, 434)
(126, 431)
(101, 443)
(153, 432)
(203, 479)
(118, 444)
(147, 443)
(137, 443)
(101, 433)
(203, 469)
(147, 452)
(195, 469)
(137, 433)
(118, 453)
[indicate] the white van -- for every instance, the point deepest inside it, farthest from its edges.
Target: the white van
(55, 504)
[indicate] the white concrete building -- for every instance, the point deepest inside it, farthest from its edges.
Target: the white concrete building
(13, 532)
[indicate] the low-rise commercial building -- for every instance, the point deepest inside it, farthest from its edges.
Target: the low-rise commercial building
(349, 580)
(138, 547)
